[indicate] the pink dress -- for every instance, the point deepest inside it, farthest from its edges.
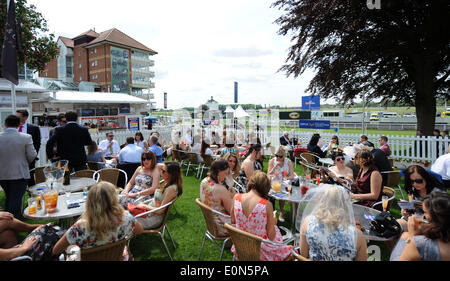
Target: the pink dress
(255, 224)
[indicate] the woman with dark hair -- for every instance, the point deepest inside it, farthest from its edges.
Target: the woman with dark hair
(418, 184)
(144, 181)
(338, 172)
(233, 162)
(251, 164)
(96, 155)
(168, 191)
(214, 194)
(428, 241)
(368, 186)
(139, 141)
(253, 213)
(205, 150)
(314, 148)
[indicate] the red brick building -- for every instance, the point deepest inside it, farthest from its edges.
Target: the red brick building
(111, 59)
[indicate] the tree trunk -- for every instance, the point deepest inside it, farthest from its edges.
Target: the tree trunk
(425, 96)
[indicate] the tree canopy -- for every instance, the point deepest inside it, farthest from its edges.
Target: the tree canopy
(399, 52)
(38, 45)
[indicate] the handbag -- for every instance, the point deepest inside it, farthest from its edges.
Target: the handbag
(385, 225)
(48, 236)
(136, 210)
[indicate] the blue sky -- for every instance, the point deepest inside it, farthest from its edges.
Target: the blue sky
(203, 46)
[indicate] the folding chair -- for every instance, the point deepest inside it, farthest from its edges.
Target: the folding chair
(193, 161)
(207, 160)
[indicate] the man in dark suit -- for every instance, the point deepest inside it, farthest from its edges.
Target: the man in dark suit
(70, 141)
(35, 135)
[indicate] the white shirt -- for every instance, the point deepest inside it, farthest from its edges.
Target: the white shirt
(130, 154)
(442, 166)
(107, 152)
(24, 128)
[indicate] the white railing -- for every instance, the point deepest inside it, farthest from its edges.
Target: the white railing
(403, 148)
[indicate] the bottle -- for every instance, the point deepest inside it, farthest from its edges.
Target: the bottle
(66, 179)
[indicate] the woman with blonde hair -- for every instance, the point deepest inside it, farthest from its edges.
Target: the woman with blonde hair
(280, 168)
(235, 167)
(327, 226)
(103, 221)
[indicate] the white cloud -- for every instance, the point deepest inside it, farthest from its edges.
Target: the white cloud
(203, 45)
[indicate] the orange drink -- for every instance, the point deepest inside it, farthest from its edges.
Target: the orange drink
(32, 206)
(54, 200)
(47, 200)
(318, 179)
(384, 202)
(276, 185)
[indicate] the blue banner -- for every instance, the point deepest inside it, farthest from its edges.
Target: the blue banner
(309, 103)
(314, 124)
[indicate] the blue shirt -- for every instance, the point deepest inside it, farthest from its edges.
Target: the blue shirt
(158, 151)
(130, 154)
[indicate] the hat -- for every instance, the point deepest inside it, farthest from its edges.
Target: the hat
(352, 150)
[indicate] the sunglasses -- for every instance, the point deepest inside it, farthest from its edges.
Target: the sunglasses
(163, 171)
(419, 181)
(110, 136)
(279, 156)
(145, 158)
(340, 159)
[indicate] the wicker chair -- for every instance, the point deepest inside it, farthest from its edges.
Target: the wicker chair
(163, 227)
(297, 256)
(309, 162)
(247, 245)
(107, 252)
(39, 176)
(212, 231)
(393, 180)
(110, 175)
(93, 165)
(84, 174)
(390, 192)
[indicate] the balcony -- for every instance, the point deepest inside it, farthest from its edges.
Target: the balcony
(142, 72)
(141, 61)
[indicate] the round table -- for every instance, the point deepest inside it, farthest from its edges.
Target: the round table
(76, 184)
(294, 198)
(364, 214)
(62, 213)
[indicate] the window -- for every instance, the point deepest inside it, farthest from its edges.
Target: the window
(94, 63)
(81, 78)
(95, 76)
(79, 65)
(95, 50)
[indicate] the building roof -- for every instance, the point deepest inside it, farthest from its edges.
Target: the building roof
(90, 33)
(67, 41)
(93, 97)
(116, 36)
(24, 86)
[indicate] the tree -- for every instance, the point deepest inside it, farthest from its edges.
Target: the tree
(399, 52)
(38, 47)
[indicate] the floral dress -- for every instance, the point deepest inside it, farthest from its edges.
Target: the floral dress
(79, 235)
(141, 182)
(207, 197)
(256, 224)
(330, 245)
(154, 220)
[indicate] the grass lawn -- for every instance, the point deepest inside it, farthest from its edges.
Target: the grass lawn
(187, 226)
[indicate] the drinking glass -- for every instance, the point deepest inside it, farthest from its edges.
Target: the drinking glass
(384, 202)
(276, 185)
(47, 196)
(32, 205)
(418, 219)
